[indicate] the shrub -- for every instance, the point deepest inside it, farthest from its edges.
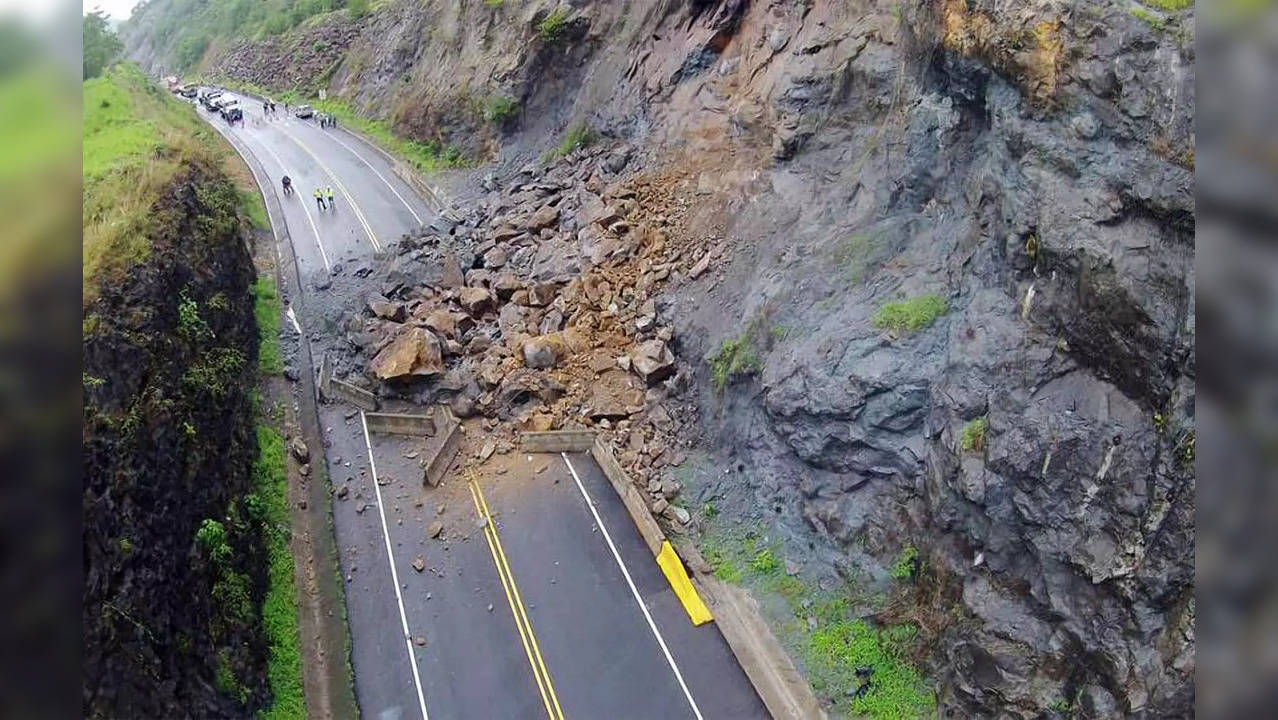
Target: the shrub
(579, 136)
(907, 564)
(765, 562)
(973, 439)
(552, 26)
(499, 110)
(735, 357)
(910, 315)
(1168, 5)
(190, 324)
(1151, 19)
(211, 538)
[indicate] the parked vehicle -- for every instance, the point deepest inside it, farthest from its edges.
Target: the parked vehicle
(190, 92)
(304, 111)
(232, 114)
(210, 97)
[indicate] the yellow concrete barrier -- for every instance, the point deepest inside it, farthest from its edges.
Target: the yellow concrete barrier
(672, 566)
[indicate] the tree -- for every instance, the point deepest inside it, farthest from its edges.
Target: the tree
(101, 46)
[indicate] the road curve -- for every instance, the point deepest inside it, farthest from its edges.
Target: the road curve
(524, 613)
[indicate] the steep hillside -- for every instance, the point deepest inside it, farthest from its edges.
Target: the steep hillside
(175, 502)
(926, 268)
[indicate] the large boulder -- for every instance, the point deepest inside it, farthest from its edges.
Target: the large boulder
(413, 352)
(652, 361)
(476, 300)
(540, 353)
(545, 217)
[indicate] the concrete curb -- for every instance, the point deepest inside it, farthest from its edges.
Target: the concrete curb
(783, 689)
(630, 497)
(400, 424)
(554, 441)
(779, 683)
(437, 465)
(333, 389)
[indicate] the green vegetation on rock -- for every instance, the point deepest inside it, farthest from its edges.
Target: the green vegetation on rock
(578, 136)
(552, 26)
(500, 109)
(910, 315)
(973, 439)
(823, 631)
(907, 564)
(735, 357)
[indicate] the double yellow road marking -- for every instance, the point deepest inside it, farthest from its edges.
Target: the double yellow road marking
(526, 636)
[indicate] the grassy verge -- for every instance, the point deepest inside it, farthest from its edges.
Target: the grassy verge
(268, 309)
(135, 141)
(823, 630)
(279, 608)
(425, 156)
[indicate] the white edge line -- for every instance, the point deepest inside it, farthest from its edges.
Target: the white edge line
(390, 558)
(633, 590)
(354, 152)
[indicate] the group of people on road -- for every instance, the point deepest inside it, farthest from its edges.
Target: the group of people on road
(326, 120)
(268, 107)
(323, 198)
(326, 196)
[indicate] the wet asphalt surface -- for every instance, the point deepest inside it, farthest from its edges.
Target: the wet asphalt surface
(590, 633)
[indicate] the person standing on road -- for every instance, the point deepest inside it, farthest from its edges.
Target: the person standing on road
(319, 199)
(329, 192)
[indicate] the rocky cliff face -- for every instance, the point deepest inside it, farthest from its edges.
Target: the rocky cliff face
(170, 353)
(1019, 175)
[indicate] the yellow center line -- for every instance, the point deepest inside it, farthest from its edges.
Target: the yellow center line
(523, 638)
(516, 602)
(333, 176)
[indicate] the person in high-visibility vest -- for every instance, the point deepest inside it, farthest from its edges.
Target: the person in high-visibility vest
(331, 204)
(319, 198)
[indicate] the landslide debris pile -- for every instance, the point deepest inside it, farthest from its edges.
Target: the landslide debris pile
(538, 310)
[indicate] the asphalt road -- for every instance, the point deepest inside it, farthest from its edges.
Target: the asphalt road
(522, 608)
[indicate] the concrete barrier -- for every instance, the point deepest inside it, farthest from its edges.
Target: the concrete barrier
(437, 464)
(357, 396)
(333, 389)
(783, 689)
(780, 685)
(630, 496)
(554, 441)
(400, 424)
(326, 376)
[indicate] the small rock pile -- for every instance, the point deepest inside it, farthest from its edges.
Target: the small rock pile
(539, 309)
